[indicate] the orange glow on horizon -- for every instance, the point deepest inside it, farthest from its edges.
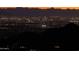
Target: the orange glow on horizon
(58, 7)
(42, 7)
(55, 7)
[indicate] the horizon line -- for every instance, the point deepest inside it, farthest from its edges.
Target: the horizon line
(42, 7)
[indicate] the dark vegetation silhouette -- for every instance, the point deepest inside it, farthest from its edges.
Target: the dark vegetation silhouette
(67, 37)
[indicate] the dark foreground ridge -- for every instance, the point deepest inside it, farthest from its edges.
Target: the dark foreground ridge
(64, 38)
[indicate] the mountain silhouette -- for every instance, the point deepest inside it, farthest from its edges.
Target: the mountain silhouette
(70, 30)
(38, 12)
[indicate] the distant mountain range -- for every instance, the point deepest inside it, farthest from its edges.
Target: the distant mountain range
(39, 12)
